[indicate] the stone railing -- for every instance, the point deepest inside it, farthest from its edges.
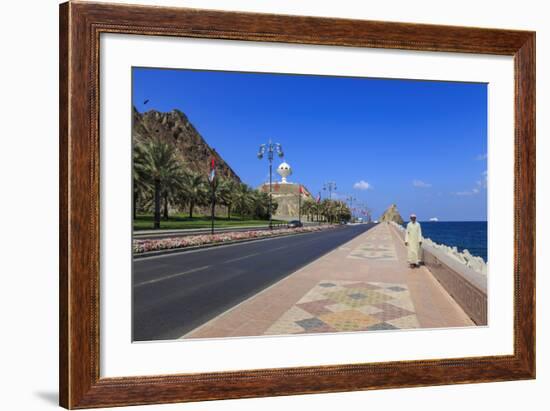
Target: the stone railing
(462, 275)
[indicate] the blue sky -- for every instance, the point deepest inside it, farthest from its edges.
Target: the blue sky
(419, 144)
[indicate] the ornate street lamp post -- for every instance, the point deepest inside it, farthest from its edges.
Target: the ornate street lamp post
(270, 148)
(329, 186)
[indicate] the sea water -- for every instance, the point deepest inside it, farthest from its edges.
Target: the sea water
(470, 235)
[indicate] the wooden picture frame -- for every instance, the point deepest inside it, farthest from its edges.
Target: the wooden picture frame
(80, 27)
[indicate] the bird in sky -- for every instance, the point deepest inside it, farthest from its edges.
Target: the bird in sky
(146, 101)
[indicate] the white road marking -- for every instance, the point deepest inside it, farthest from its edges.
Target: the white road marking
(278, 248)
(239, 258)
(168, 277)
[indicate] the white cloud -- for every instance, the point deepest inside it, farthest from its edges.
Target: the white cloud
(479, 185)
(362, 185)
(421, 184)
(480, 157)
(483, 182)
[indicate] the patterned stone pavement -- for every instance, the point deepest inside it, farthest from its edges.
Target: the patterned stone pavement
(333, 306)
(364, 285)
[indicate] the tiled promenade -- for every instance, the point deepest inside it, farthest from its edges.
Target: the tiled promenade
(364, 285)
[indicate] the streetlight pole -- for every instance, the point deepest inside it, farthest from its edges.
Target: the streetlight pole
(270, 190)
(319, 209)
(270, 148)
(329, 186)
(351, 199)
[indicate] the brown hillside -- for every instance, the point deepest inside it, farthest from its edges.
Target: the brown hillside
(175, 128)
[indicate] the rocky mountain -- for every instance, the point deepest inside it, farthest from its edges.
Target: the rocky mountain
(175, 128)
(392, 214)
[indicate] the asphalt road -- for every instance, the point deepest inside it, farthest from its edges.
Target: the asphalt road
(174, 294)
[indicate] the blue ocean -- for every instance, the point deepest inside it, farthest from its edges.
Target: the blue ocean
(470, 235)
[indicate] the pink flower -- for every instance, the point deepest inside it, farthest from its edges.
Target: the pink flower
(143, 246)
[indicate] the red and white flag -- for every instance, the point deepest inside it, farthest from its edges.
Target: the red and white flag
(318, 198)
(212, 174)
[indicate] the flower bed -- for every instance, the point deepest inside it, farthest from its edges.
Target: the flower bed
(143, 246)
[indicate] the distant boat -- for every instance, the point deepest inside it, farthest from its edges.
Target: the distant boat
(434, 219)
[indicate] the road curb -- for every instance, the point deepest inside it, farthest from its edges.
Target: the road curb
(152, 234)
(199, 247)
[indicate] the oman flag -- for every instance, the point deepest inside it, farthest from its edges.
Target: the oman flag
(212, 173)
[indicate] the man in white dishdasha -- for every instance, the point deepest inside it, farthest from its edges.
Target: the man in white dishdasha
(413, 241)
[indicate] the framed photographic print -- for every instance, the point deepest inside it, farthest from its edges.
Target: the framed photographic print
(257, 205)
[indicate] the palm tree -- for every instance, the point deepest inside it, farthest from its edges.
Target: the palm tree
(307, 207)
(316, 211)
(242, 198)
(157, 164)
(274, 204)
(195, 191)
(224, 194)
(334, 210)
(327, 210)
(139, 177)
(170, 189)
(342, 212)
(260, 204)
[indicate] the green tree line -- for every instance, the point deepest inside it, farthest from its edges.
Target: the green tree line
(328, 210)
(162, 182)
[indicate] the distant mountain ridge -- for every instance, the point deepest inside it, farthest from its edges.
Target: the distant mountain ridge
(175, 128)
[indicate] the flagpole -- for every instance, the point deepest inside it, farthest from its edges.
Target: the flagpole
(213, 207)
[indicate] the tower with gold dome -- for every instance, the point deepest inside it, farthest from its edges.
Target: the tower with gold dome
(286, 194)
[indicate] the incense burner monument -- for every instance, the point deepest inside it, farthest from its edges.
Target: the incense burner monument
(286, 194)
